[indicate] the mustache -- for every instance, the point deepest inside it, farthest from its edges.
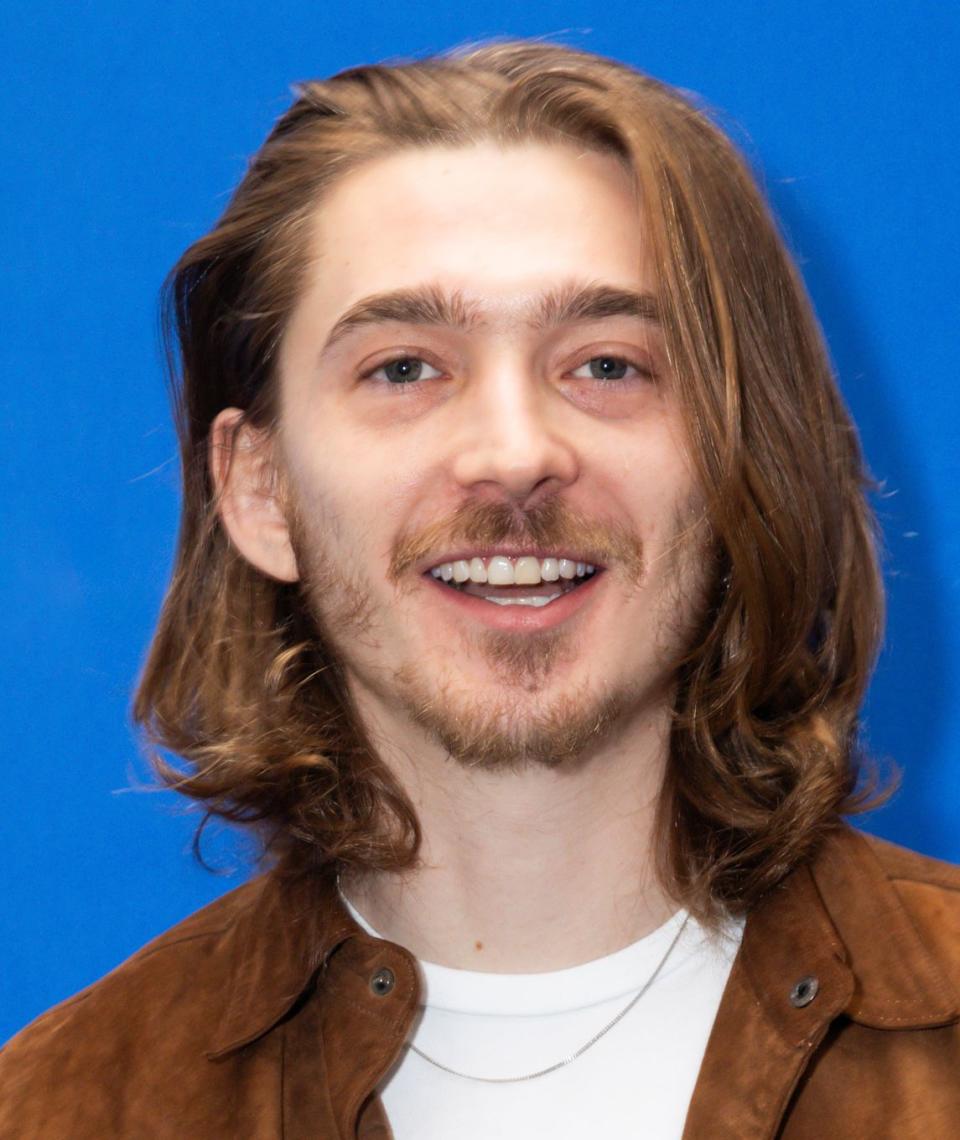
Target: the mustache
(551, 524)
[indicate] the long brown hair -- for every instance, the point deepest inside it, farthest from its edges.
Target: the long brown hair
(765, 741)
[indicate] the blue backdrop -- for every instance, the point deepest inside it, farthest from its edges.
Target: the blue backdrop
(125, 127)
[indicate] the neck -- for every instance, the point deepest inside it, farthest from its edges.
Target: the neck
(527, 870)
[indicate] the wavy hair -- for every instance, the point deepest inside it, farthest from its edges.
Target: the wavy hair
(765, 756)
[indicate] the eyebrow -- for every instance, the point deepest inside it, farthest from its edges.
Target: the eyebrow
(430, 305)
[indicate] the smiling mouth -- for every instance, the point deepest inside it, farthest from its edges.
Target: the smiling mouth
(507, 580)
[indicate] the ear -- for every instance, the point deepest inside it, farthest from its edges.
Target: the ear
(249, 495)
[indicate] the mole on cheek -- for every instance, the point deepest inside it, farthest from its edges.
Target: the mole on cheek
(478, 945)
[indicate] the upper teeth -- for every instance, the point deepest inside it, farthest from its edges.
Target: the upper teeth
(501, 570)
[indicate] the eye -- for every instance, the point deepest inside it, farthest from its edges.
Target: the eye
(608, 368)
(403, 370)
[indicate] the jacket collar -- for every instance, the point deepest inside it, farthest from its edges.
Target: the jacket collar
(820, 927)
(899, 984)
(839, 920)
(280, 939)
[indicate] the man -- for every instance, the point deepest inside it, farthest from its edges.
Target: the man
(525, 600)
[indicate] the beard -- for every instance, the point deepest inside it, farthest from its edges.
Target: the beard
(527, 719)
(514, 731)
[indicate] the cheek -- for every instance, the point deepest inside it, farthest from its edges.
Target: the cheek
(335, 577)
(314, 513)
(343, 519)
(347, 469)
(660, 494)
(668, 513)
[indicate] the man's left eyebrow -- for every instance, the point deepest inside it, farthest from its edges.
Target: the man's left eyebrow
(571, 303)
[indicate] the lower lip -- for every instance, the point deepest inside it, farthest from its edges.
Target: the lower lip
(518, 618)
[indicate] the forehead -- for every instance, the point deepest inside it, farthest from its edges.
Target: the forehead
(499, 223)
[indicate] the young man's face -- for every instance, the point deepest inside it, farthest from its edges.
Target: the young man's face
(500, 408)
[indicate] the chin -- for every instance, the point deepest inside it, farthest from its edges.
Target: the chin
(503, 724)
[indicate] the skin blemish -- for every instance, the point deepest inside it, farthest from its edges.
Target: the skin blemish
(478, 945)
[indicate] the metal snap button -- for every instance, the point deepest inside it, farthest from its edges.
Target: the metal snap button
(804, 991)
(383, 982)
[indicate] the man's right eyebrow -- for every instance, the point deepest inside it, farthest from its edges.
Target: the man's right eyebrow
(424, 306)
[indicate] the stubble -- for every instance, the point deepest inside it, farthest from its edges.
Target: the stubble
(524, 721)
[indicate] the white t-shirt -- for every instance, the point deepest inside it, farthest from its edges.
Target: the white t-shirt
(637, 1080)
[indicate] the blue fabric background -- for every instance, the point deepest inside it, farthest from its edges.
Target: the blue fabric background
(125, 127)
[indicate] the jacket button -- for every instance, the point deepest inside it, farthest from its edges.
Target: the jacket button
(383, 982)
(804, 991)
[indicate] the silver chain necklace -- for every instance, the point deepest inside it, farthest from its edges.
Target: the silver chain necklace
(583, 1048)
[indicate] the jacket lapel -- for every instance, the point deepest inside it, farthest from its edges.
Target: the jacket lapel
(276, 946)
(761, 1040)
(899, 983)
(839, 921)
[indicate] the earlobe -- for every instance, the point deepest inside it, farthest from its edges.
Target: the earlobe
(249, 495)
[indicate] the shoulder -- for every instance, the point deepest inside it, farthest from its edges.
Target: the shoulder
(904, 866)
(175, 954)
(929, 890)
(888, 901)
(157, 1029)
(161, 997)
(858, 859)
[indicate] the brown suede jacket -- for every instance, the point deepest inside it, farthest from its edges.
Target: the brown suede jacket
(270, 1014)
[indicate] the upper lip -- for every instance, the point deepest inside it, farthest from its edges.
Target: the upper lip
(508, 551)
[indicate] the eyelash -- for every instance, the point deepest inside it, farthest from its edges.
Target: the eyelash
(371, 373)
(618, 382)
(643, 373)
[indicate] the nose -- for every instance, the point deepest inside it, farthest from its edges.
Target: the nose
(512, 439)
